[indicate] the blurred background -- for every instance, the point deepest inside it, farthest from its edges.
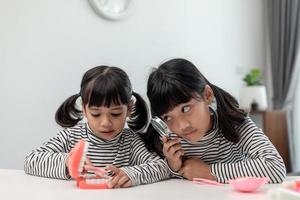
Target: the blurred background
(46, 46)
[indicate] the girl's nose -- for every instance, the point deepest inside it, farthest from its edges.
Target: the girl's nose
(184, 125)
(106, 122)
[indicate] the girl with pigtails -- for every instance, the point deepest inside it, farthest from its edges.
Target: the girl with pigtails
(108, 102)
(211, 136)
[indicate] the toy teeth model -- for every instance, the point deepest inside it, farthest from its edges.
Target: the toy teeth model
(76, 163)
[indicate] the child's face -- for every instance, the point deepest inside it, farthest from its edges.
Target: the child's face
(191, 120)
(106, 122)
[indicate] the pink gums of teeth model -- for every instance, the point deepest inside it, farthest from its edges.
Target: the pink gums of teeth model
(76, 163)
(248, 184)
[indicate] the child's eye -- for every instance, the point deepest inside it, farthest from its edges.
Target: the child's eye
(167, 118)
(95, 115)
(116, 114)
(186, 109)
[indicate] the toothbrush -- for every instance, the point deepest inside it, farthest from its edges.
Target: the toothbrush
(206, 181)
(293, 185)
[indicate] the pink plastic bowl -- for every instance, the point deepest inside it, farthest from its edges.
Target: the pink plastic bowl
(248, 184)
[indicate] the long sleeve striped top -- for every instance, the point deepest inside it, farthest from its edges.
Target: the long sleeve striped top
(253, 155)
(126, 151)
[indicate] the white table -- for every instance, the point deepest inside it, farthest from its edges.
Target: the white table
(15, 184)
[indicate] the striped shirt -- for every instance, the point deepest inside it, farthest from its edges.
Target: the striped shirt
(126, 151)
(254, 154)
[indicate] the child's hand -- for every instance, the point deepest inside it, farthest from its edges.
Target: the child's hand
(98, 171)
(120, 178)
(173, 152)
(195, 168)
(68, 159)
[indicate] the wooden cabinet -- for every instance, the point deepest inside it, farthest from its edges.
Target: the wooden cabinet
(274, 125)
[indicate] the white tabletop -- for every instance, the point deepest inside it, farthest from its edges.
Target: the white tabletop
(15, 184)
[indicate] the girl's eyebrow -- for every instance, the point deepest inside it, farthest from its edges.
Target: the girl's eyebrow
(164, 116)
(94, 108)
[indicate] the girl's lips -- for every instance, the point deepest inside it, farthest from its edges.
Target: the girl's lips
(191, 132)
(108, 132)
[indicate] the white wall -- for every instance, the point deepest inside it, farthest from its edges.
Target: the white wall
(46, 46)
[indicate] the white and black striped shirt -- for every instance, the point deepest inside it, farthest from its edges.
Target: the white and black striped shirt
(126, 151)
(254, 154)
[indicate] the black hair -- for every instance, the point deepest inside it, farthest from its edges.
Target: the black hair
(177, 81)
(104, 86)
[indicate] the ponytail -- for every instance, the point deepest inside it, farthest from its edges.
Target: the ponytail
(67, 115)
(230, 116)
(138, 119)
(152, 140)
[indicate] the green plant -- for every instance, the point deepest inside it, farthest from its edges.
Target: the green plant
(253, 77)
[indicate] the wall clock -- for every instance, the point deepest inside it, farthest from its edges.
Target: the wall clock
(111, 9)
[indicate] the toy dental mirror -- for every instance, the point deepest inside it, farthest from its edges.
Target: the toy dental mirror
(161, 127)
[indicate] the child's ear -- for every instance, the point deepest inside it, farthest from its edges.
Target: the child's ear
(208, 94)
